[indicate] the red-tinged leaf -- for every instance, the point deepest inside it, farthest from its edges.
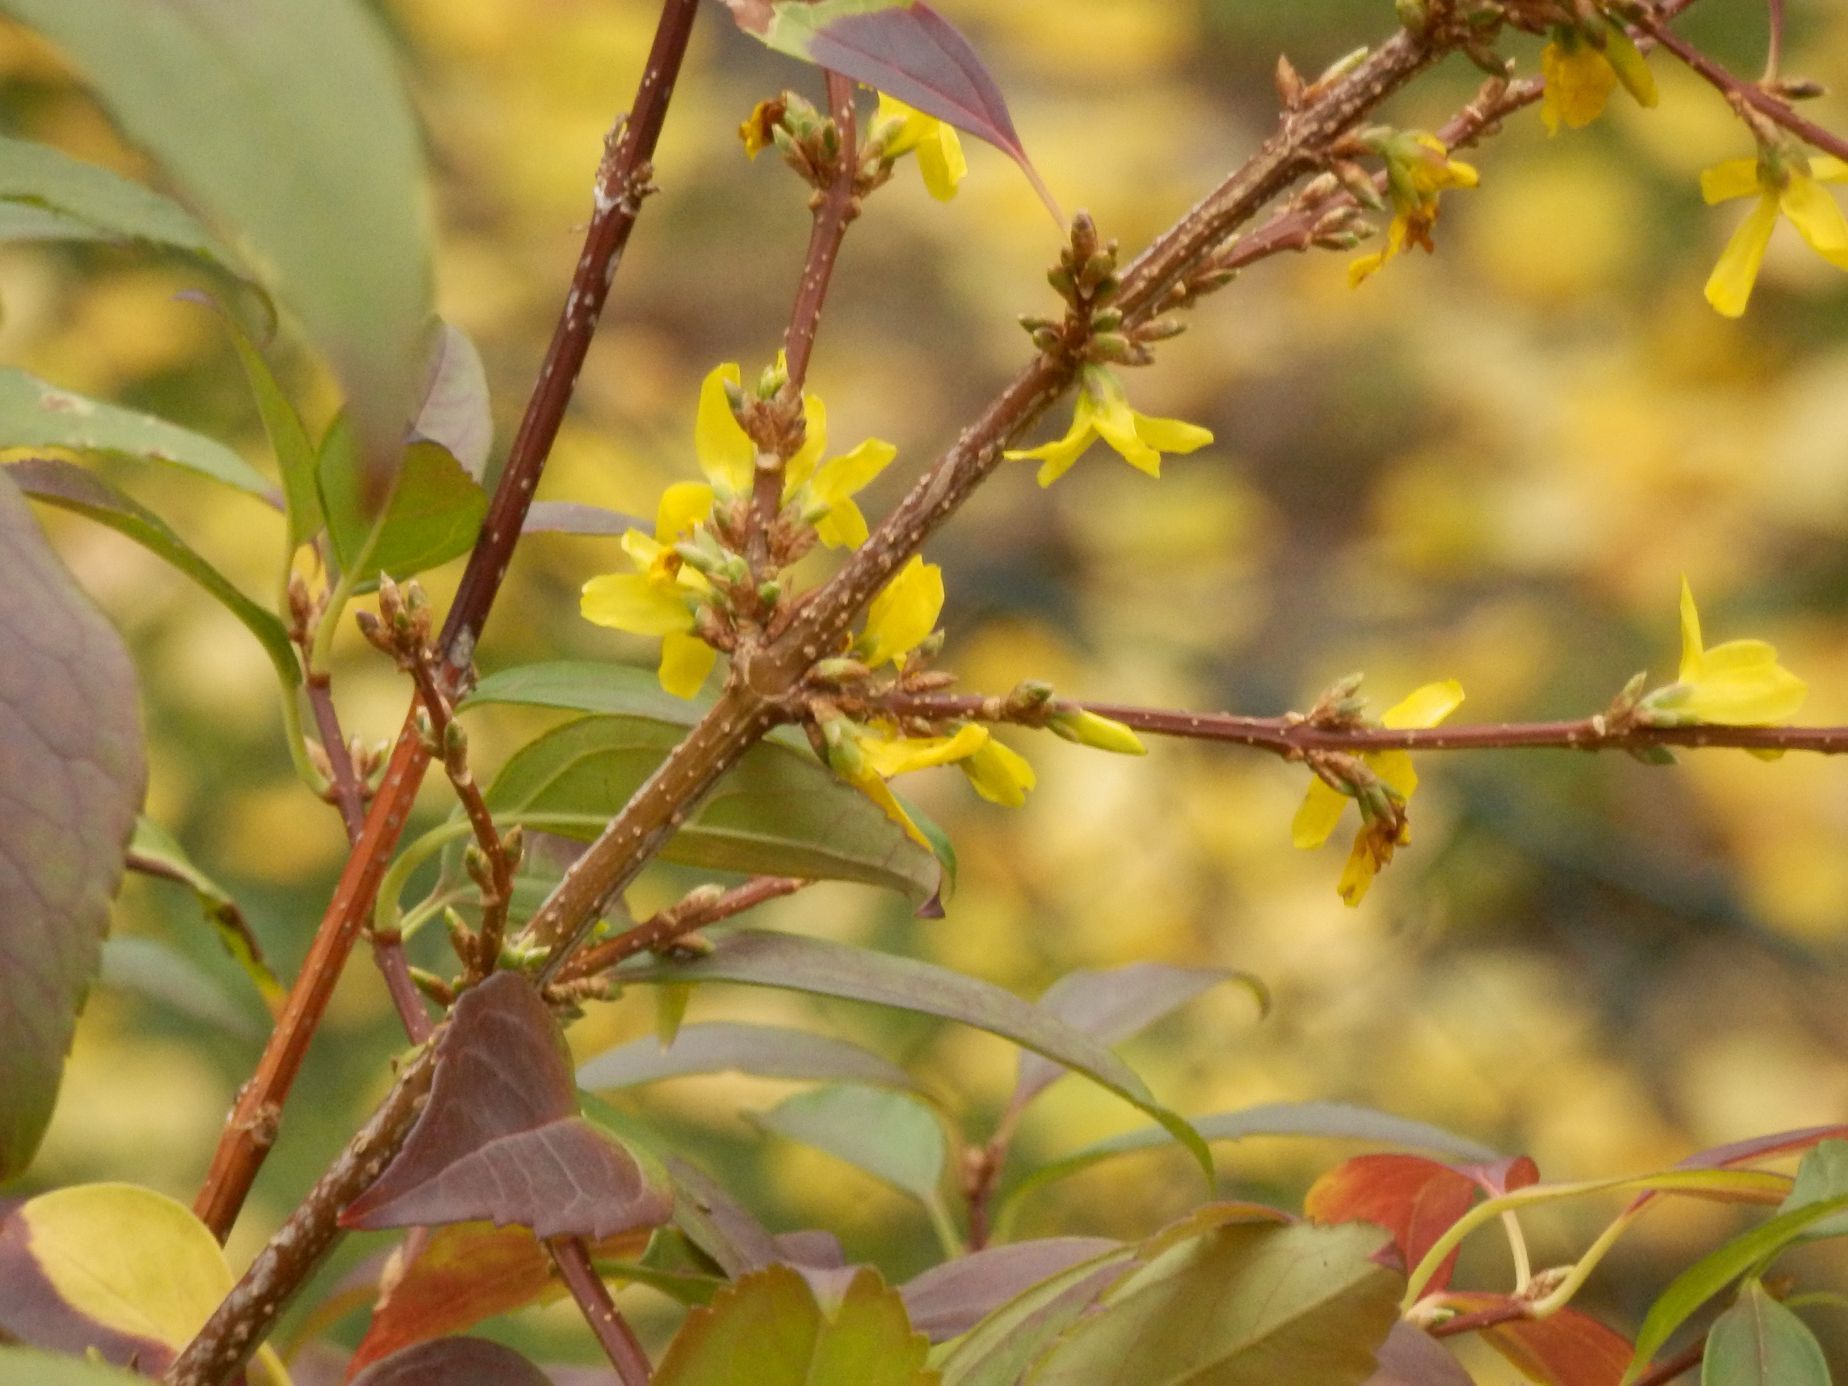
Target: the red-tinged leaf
(1413, 1198)
(447, 1279)
(948, 1300)
(1412, 1357)
(1746, 1152)
(1502, 1176)
(501, 1138)
(454, 1362)
(905, 49)
(1568, 1348)
(72, 770)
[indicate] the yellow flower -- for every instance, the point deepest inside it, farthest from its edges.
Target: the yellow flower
(939, 151)
(1418, 170)
(662, 595)
(1787, 184)
(903, 615)
(1380, 833)
(1580, 76)
(1738, 684)
(1103, 412)
(757, 131)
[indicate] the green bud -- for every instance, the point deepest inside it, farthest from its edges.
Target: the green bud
(770, 592)
(1099, 733)
(840, 670)
(1413, 15)
(1107, 319)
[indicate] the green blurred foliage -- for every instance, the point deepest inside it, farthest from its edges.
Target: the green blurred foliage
(1493, 465)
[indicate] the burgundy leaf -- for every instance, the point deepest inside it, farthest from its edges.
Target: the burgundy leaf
(501, 1138)
(719, 1225)
(454, 1362)
(950, 1299)
(33, 1312)
(1412, 1357)
(72, 770)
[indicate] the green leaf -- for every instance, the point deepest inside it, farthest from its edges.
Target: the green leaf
(47, 195)
(894, 1138)
(1704, 1279)
(998, 1350)
(772, 1321)
(153, 852)
(30, 1367)
(583, 685)
(1822, 1175)
(791, 963)
(778, 812)
(454, 409)
(70, 487)
(285, 123)
(1759, 1342)
(434, 513)
(1241, 1304)
(763, 1051)
(75, 768)
(163, 975)
(34, 414)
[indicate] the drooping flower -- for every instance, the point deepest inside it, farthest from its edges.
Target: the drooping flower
(662, 596)
(1384, 827)
(1785, 183)
(1103, 411)
(939, 151)
(1737, 684)
(1580, 76)
(1418, 171)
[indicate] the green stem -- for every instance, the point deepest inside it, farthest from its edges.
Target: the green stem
(1562, 1293)
(298, 746)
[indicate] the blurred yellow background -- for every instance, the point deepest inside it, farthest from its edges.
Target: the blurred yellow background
(1494, 465)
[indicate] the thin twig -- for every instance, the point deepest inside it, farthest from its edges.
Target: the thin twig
(663, 930)
(618, 1340)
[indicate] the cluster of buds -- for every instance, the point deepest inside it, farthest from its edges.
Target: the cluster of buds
(1338, 706)
(1094, 329)
(809, 141)
(403, 624)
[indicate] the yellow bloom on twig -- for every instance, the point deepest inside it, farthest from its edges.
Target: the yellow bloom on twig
(1384, 825)
(1785, 184)
(662, 596)
(1580, 76)
(1418, 171)
(1737, 684)
(939, 150)
(1103, 411)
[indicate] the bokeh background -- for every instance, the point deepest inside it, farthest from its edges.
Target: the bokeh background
(1494, 465)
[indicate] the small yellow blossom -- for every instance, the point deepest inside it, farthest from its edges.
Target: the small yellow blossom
(1379, 835)
(1580, 76)
(662, 595)
(1785, 183)
(757, 130)
(1103, 412)
(1099, 733)
(903, 615)
(1738, 684)
(939, 151)
(1419, 169)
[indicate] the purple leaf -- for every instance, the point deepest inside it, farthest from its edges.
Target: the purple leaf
(72, 770)
(948, 1300)
(573, 517)
(454, 401)
(718, 1224)
(453, 1362)
(502, 1140)
(1412, 1357)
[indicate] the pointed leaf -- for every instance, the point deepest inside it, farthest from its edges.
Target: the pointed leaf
(998, 1350)
(1115, 1004)
(287, 125)
(161, 974)
(778, 812)
(454, 410)
(855, 974)
(501, 1138)
(1757, 1148)
(70, 487)
(1567, 1348)
(891, 1136)
(72, 770)
(1822, 1175)
(454, 1362)
(34, 414)
(771, 1320)
(763, 1051)
(717, 1223)
(434, 513)
(153, 852)
(1412, 1357)
(1759, 1342)
(1412, 1198)
(1261, 1304)
(949, 1300)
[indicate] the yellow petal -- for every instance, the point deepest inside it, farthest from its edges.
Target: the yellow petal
(911, 122)
(1000, 774)
(1816, 215)
(683, 505)
(1756, 694)
(1631, 67)
(1115, 422)
(875, 789)
(1425, 707)
(904, 613)
(629, 601)
(1729, 288)
(1057, 457)
(725, 451)
(1734, 178)
(942, 162)
(685, 662)
(1364, 267)
(1359, 872)
(1578, 84)
(1828, 168)
(1320, 811)
(843, 527)
(1690, 634)
(1394, 769)
(801, 466)
(851, 473)
(1171, 435)
(903, 755)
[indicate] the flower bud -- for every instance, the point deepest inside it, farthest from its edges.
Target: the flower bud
(1099, 733)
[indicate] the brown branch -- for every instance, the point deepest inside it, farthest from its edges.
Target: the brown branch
(1679, 1365)
(623, 180)
(699, 910)
(618, 1340)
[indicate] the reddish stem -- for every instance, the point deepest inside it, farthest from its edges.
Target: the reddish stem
(593, 1297)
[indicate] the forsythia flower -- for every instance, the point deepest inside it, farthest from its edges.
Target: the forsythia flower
(662, 596)
(1379, 834)
(1418, 169)
(1738, 684)
(1103, 412)
(1786, 183)
(939, 151)
(1580, 76)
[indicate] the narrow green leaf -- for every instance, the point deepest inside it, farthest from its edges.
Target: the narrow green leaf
(285, 123)
(161, 974)
(792, 963)
(999, 1349)
(1759, 1342)
(584, 685)
(763, 1051)
(894, 1138)
(779, 812)
(34, 414)
(154, 852)
(434, 514)
(70, 487)
(1704, 1279)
